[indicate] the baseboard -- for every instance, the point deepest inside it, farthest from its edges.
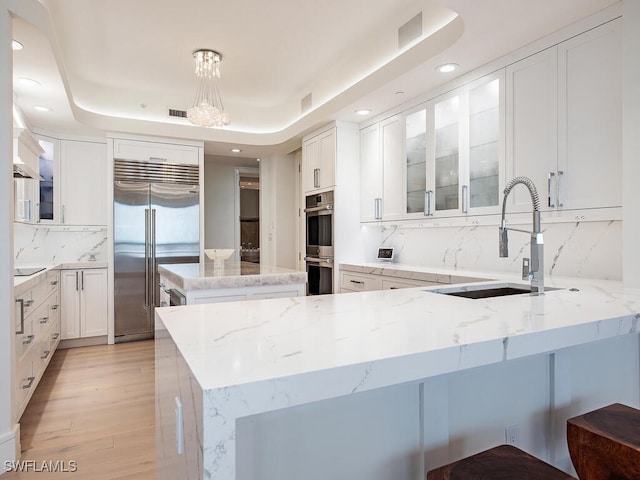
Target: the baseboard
(10, 447)
(83, 342)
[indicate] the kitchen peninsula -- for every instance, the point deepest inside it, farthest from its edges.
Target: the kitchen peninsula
(206, 282)
(360, 385)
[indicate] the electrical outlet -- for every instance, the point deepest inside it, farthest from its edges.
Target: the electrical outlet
(512, 435)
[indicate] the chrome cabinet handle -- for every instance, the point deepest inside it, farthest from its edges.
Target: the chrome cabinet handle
(28, 210)
(377, 208)
(44, 320)
(146, 257)
(28, 303)
(549, 188)
(76, 280)
(560, 176)
(465, 199)
(55, 307)
(82, 280)
(55, 336)
(29, 382)
(46, 354)
(28, 340)
(428, 197)
(62, 213)
(38, 210)
(316, 177)
(393, 288)
(157, 159)
(21, 302)
(53, 283)
(357, 281)
(152, 293)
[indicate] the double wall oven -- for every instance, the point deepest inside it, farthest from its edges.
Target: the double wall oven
(319, 252)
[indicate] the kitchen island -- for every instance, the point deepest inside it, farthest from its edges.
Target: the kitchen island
(385, 384)
(207, 283)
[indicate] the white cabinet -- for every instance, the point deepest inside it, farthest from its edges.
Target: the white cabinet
(37, 334)
(319, 161)
(382, 170)
(590, 119)
(26, 151)
(564, 114)
(83, 303)
(83, 173)
(370, 174)
(149, 151)
(455, 151)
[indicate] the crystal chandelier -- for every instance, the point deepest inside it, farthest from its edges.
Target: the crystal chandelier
(207, 110)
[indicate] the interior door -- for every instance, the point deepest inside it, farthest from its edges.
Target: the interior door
(132, 311)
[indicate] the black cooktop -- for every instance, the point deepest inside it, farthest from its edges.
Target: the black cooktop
(25, 272)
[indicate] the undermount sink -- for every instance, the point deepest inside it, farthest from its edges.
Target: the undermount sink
(488, 291)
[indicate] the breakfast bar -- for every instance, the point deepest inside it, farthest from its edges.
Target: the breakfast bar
(236, 380)
(231, 281)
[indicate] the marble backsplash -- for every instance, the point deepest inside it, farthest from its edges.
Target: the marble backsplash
(589, 249)
(40, 244)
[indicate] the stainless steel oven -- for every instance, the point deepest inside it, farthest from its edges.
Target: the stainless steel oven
(319, 253)
(319, 215)
(319, 275)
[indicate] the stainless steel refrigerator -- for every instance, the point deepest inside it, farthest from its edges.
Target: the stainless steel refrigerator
(156, 221)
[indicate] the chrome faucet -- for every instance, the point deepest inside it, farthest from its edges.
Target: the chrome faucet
(532, 269)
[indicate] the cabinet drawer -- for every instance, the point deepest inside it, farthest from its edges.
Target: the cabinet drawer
(24, 341)
(25, 383)
(393, 284)
(155, 152)
(359, 283)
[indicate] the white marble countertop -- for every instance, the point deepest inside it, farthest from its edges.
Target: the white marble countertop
(197, 276)
(279, 353)
(22, 280)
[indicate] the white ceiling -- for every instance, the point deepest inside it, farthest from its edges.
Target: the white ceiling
(119, 65)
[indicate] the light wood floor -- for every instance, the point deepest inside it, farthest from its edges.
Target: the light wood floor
(95, 406)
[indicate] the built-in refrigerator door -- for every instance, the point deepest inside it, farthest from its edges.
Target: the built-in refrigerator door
(133, 309)
(175, 218)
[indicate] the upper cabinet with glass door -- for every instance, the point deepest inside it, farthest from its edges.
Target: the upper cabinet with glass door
(455, 159)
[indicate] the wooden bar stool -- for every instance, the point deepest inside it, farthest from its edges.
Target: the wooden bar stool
(504, 462)
(605, 444)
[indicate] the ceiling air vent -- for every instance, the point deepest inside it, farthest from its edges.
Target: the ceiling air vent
(411, 30)
(177, 113)
(305, 104)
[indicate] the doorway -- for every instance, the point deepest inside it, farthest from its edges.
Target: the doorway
(249, 214)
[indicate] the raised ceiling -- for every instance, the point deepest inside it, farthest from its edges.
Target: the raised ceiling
(119, 65)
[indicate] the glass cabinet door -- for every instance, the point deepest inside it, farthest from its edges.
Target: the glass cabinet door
(416, 150)
(447, 157)
(484, 145)
(46, 185)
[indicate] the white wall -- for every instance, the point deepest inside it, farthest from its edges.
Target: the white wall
(219, 201)
(7, 433)
(278, 211)
(631, 142)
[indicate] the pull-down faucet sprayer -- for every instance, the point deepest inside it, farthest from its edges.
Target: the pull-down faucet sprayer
(531, 270)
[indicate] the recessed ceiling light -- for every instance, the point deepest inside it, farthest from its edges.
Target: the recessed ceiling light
(236, 150)
(447, 67)
(399, 92)
(363, 111)
(40, 108)
(16, 45)
(29, 82)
